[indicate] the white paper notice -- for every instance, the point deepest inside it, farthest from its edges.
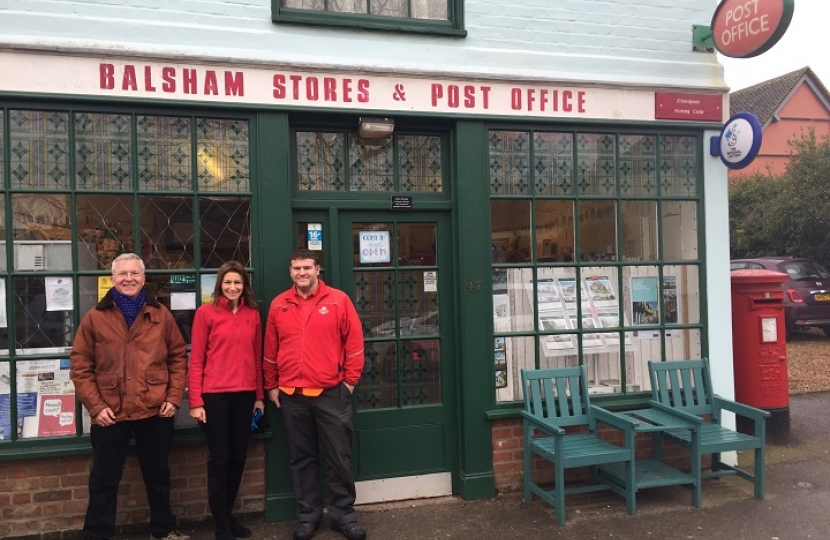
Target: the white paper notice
(431, 281)
(58, 294)
(769, 329)
(182, 301)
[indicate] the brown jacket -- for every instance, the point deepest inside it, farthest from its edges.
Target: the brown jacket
(133, 372)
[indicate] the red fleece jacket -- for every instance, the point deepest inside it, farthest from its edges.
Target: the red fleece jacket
(316, 342)
(225, 352)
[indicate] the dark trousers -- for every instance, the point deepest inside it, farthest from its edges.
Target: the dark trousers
(227, 431)
(314, 425)
(153, 438)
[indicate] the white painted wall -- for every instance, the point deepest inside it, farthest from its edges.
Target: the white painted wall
(718, 283)
(632, 42)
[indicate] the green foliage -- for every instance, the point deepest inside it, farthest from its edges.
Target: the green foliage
(789, 214)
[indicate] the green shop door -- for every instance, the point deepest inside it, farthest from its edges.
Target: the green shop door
(398, 270)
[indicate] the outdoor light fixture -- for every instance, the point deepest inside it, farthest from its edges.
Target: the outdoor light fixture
(375, 128)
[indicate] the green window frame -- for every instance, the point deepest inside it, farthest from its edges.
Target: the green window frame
(78, 186)
(596, 237)
(407, 19)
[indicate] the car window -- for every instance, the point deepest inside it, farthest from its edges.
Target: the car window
(805, 270)
(737, 265)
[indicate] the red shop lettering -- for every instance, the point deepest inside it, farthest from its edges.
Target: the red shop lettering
(544, 100)
(169, 79)
(297, 87)
(457, 96)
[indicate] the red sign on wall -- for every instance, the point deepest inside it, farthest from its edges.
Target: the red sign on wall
(695, 107)
(747, 28)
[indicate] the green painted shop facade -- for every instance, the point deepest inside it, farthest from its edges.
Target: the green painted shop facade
(542, 230)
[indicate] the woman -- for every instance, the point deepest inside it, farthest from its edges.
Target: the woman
(226, 387)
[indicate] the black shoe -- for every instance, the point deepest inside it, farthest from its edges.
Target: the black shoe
(237, 529)
(351, 530)
(223, 532)
(305, 530)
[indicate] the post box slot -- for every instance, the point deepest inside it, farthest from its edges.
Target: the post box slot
(767, 301)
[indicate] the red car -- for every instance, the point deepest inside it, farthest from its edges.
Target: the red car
(806, 294)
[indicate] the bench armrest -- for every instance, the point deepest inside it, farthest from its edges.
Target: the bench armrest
(683, 415)
(739, 408)
(612, 419)
(540, 423)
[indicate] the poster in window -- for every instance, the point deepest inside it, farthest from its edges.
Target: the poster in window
(182, 292)
(375, 247)
(556, 322)
(104, 286)
(601, 290)
(45, 399)
(568, 288)
(5, 403)
(501, 378)
(590, 339)
(670, 299)
(58, 293)
(645, 306)
(501, 307)
(56, 415)
(609, 319)
(547, 295)
(208, 282)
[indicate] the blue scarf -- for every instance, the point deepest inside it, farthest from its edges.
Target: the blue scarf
(129, 306)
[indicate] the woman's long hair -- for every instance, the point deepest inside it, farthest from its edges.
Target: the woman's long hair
(247, 290)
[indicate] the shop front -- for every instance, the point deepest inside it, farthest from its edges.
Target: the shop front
(487, 227)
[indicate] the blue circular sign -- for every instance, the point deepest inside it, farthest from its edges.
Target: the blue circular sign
(740, 140)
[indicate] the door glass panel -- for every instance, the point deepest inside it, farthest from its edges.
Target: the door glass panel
(398, 309)
(375, 302)
(416, 244)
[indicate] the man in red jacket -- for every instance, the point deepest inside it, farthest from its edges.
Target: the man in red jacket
(313, 358)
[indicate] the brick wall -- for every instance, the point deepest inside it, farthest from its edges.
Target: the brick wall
(47, 498)
(508, 455)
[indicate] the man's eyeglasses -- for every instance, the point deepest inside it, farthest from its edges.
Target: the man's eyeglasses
(129, 274)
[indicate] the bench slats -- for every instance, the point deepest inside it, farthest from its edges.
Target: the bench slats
(686, 385)
(556, 399)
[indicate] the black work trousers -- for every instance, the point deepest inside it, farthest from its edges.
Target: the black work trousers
(153, 439)
(315, 426)
(227, 431)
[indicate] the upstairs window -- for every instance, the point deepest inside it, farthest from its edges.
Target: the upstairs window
(417, 16)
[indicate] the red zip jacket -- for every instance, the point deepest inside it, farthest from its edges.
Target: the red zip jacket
(319, 350)
(225, 351)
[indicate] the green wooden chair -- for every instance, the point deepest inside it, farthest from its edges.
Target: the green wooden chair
(555, 399)
(684, 387)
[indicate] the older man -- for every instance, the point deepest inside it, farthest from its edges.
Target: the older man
(129, 366)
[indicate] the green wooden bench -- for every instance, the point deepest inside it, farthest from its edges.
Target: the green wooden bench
(684, 388)
(555, 399)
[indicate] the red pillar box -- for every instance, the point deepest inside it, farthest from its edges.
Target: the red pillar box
(759, 346)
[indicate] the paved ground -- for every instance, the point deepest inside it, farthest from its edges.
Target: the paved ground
(797, 505)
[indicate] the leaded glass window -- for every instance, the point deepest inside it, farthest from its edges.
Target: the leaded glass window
(594, 240)
(39, 144)
(77, 189)
(331, 161)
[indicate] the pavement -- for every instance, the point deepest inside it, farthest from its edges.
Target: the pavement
(796, 506)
